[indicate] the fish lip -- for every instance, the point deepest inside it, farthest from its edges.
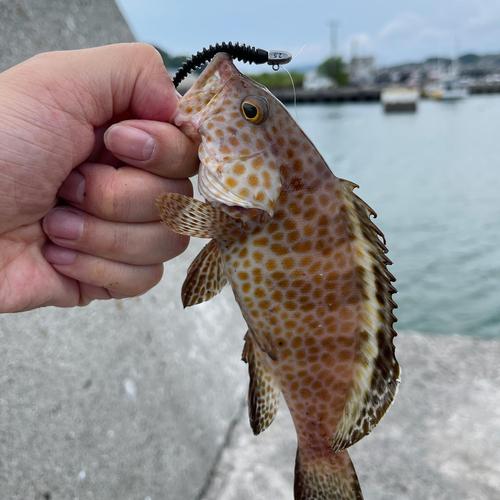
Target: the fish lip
(225, 69)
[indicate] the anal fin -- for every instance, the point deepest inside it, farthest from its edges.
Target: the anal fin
(205, 277)
(263, 391)
(331, 477)
(192, 217)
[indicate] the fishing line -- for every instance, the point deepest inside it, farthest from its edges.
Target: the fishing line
(303, 47)
(86, 314)
(294, 95)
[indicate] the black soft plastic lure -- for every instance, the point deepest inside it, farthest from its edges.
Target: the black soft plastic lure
(243, 52)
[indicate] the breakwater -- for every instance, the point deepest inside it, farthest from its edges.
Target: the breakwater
(356, 94)
(342, 94)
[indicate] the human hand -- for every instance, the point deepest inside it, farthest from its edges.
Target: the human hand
(104, 240)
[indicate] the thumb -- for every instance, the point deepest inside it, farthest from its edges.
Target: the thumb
(63, 96)
(96, 84)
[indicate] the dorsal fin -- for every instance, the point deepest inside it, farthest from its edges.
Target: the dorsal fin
(376, 372)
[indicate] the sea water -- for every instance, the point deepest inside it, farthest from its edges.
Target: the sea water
(433, 177)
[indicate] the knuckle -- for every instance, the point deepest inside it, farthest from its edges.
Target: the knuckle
(118, 244)
(102, 272)
(148, 54)
(114, 204)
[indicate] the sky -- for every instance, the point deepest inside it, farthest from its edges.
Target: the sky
(394, 31)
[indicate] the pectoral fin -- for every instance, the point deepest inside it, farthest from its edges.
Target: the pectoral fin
(191, 217)
(263, 392)
(205, 277)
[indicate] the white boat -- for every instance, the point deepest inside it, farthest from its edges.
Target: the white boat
(450, 89)
(396, 99)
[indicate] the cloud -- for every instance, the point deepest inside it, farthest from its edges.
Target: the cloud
(487, 17)
(434, 35)
(408, 36)
(404, 25)
(361, 44)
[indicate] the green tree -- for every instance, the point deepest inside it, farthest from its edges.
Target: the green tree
(336, 69)
(171, 61)
(278, 79)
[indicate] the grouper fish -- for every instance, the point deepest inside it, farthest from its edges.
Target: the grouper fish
(307, 266)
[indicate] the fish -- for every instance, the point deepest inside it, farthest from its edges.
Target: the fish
(308, 268)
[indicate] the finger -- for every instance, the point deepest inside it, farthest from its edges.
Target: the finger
(100, 154)
(126, 194)
(89, 293)
(98, 83)
(139, 244)
(123, 280)
(160, 148)
(106, 81)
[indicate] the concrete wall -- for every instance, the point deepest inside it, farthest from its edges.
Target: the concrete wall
(29, 27)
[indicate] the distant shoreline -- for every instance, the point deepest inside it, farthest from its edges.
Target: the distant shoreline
(355, 94)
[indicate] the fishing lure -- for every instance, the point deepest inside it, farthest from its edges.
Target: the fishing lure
(245, 53)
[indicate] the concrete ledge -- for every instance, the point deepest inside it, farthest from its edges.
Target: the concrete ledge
(119, 400)
(440, 440)
(140, 399)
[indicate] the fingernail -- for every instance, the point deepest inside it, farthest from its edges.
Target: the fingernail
(129, 141)
(61, 223)
(73, 188)
(59, 255)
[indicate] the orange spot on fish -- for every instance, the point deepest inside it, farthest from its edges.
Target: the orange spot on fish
(260, 144)
(260, 196)
(271, 265)
(261, 242)
(257, 163)
(253, 180)
(239, 169)
(258, 256)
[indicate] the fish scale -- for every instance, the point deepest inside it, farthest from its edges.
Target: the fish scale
(307, 268)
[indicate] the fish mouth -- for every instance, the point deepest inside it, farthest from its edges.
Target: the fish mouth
(246, 184)
(200, 98)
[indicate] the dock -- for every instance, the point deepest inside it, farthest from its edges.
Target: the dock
(356, 94)
(340, 94)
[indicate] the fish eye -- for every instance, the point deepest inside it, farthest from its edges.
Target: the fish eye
(255, 109)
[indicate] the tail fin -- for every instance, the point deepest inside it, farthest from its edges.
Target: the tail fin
(327, 478)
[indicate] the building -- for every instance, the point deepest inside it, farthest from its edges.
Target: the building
(362, 70)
